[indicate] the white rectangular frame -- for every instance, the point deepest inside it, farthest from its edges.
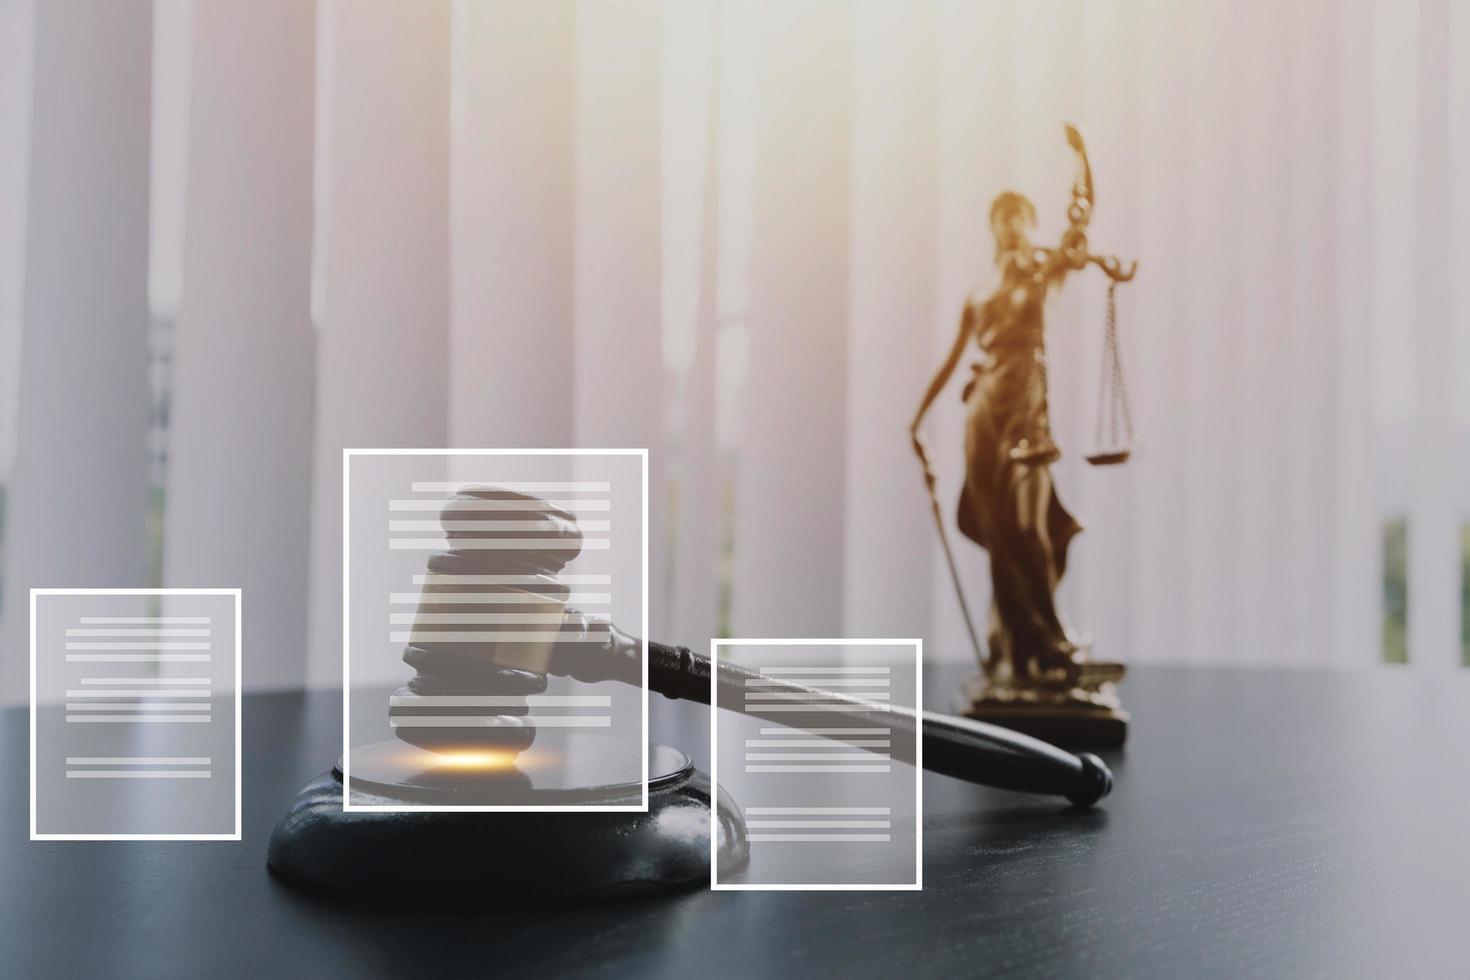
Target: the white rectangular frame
(239, 660)
(714, 764)
(347, 805)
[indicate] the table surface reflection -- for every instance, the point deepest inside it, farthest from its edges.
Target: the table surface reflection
(1278, 822)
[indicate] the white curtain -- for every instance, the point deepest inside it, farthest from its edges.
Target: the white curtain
(740, 233)
(77, 367)
(381, 290)
(237, 511)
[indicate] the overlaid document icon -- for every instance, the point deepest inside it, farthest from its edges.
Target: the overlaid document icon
(817, 742)
(135, 714)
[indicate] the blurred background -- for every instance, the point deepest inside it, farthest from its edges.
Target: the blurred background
(237, 236)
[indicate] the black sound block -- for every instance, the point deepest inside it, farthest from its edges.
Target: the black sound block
(508, 860)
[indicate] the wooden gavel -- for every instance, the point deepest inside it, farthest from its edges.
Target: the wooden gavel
(591, 650)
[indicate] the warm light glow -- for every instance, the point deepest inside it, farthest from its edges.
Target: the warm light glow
(480, 760)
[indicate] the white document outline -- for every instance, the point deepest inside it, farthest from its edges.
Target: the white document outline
(714, 765)
(350, 807)
(239, 659)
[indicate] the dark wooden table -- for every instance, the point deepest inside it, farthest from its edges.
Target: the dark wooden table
(1281, 823)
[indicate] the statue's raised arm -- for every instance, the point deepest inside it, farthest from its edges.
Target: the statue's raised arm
(1073, 252)
(1079, 213)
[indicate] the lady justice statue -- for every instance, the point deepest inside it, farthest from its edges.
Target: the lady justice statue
(1037, 676)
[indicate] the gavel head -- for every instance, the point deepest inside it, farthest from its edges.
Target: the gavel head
(489, 617)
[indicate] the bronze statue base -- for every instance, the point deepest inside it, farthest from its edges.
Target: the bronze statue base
(1091, 719)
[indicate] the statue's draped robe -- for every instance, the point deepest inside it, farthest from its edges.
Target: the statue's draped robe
(1010, 508)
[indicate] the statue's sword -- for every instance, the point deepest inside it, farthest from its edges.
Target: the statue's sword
(954, 571)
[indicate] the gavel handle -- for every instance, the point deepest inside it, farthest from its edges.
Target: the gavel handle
(959, 747)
